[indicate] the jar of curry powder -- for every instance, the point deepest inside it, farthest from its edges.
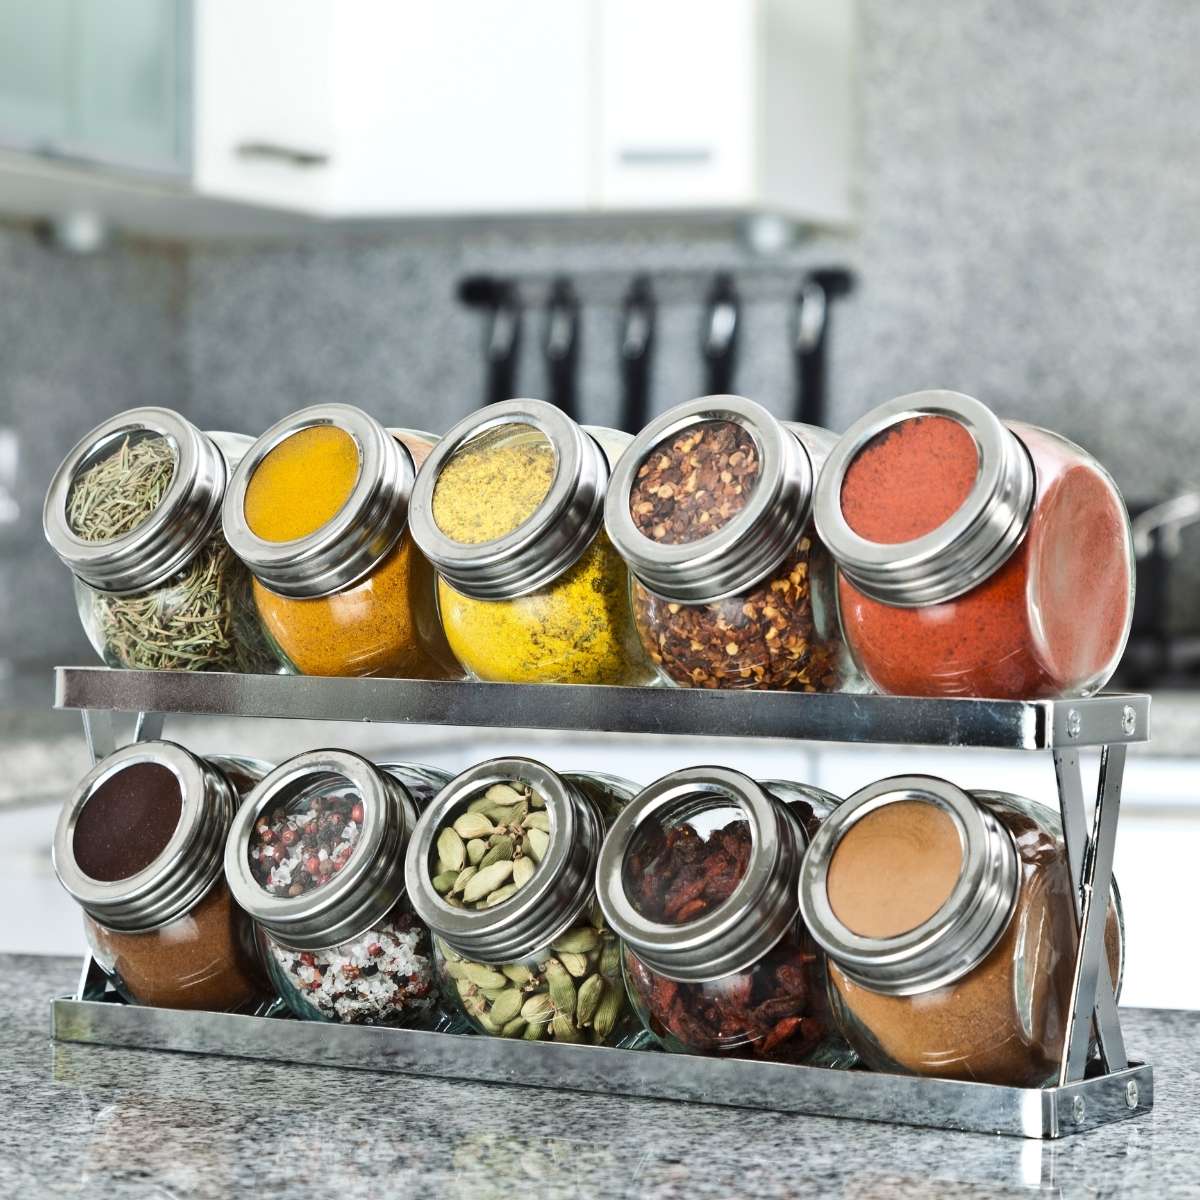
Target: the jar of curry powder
(950, 926)
(509, 507)
(318, 510)
(977, 557)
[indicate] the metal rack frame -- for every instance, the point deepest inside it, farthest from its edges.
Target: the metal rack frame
(1089, 1091)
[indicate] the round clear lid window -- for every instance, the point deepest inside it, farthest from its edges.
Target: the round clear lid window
(119, 486)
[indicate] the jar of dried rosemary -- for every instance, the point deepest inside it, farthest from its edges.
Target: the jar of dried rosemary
(318, 510)
(501, 867)
(135, 512)
(711, 508)
(509, 509)
(316, 857)
(698, 878)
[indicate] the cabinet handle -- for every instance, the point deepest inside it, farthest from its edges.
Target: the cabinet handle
(665, 156)
(292, 155)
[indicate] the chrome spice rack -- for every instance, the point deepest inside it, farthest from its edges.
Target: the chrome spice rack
(1088, 1092)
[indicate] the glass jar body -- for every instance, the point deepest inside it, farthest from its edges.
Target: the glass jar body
(578, 629)
(201, 619)
(206, 959)
(570, 990)
(384, 976)
(1005, 1021)
(384, 624)
(1051, 621)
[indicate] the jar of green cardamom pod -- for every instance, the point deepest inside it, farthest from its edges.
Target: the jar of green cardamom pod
(134, 511)
(509, 508)
(501, 867)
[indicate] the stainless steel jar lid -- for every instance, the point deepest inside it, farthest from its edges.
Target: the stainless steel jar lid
(187, 866)
(966, 548)
(761, 908)
(355, 538)
(753, 543)
(953, 941)
(559, 890)
(372, 882)
(559, 530)
(167, 540)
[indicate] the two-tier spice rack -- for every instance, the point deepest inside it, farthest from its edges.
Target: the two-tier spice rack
(1090, 1091)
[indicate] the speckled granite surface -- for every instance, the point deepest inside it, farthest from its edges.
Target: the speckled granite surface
(116, 1123)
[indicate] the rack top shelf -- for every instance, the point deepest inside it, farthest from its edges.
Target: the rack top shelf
(891, 720)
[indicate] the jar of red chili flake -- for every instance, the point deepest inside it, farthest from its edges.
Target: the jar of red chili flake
(698, 878)
(977, 557)
(316, 857)
(711, 508)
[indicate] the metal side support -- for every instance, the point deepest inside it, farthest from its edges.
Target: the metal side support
(101, 737)
(1095, 884)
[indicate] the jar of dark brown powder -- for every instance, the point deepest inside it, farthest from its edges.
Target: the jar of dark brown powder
(139, 847)
(950, 928)
(711, 508)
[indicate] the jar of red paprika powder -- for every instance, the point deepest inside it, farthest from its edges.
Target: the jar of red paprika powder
(698, 879)
(977, 557)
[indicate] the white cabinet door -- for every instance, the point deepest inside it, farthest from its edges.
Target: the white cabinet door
(264, 104)
(465, 106)
(678, 87)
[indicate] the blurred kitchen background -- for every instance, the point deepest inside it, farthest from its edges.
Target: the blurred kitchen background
(239, 208)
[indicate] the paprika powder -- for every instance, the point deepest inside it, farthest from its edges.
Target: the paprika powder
(698, 878)
(976, 557)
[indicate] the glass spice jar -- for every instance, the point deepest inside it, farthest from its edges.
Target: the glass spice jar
(134, 511)
(950, 926)
(318, 510)
(139, 847)
(502, 869)
(316, 857)
(710, 507)
(509, 508)
(977, 557)
(698, 879)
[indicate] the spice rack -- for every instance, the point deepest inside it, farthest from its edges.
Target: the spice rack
(1088, 1093)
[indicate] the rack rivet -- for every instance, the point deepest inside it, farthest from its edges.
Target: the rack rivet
(1078, 1108)
(1131, 1094)
(1128, 720)
(1074, 723)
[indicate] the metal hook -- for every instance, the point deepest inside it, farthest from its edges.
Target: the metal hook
(720, 335)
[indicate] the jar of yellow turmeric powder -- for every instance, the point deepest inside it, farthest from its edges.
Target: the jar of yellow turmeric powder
(318, 510)
(509, 508)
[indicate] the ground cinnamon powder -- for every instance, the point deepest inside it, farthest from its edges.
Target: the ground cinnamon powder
(1050, 621)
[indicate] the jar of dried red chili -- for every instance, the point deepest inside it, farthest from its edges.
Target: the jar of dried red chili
(711, 508)
(698, 879)
(977, 557)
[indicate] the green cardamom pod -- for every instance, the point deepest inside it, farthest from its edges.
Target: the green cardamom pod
(444, 882)
(515, 1028)
(563, 1029)
(562, 988)
(480, 804)
(462, 879)
(503, 793)
(609, 1009)
(486, 880)
(451, 849)
(536, 800)
(476, 849)
(610, 957)
(501, 849)
(507, 1005)
(456, 970)
(473, 825)
(500, 895)
(520, 975)
(577, 964)
(500, 816)
(523, 869)
(591, 992)
(478, 1009)
(484, 976)
(538, 1008)
(535, 1031)
(465, 988)
(537, 820)
(539, 843)
(518, 814)
(580, 940)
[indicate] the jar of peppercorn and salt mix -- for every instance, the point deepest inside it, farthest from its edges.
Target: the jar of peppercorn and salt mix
(711, 508)
(316, 856)
(502, 869)
(977, 557)
(318, 511)
(698, 879)
(139, 846)
(950, 929)
(509, 507)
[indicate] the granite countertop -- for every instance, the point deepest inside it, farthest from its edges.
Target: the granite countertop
(84, 1120)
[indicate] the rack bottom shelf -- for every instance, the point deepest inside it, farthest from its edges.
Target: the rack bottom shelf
(740, 1083)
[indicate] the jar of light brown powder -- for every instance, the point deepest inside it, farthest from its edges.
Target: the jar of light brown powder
(140, 846)
(950, 927)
